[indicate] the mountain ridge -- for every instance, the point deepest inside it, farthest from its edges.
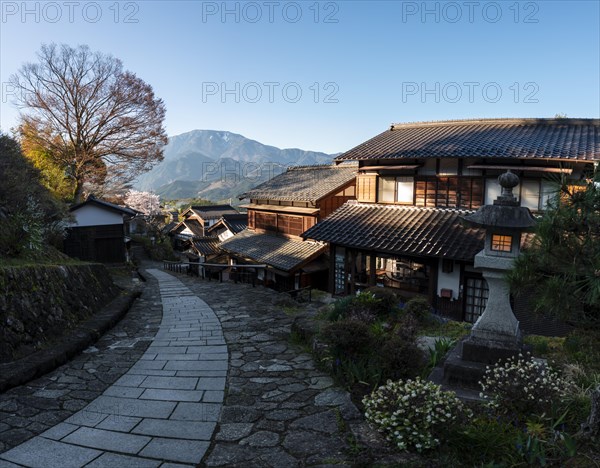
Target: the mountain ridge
(219, 163)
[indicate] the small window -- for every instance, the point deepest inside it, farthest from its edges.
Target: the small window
(501, 243)
(386, 189)
(405, 189)
(530, 194)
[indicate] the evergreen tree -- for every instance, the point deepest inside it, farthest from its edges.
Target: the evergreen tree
(562, 266)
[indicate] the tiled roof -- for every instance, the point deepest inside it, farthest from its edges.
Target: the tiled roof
(192, 225)
(207, 245)
(278, 252)
(212, 211)
(400, 230)
(564, 139)
(303, 183)
(93, 200)
(235, 223)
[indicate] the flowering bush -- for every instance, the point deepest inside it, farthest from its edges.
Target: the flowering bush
(413, 414)
(522, 386)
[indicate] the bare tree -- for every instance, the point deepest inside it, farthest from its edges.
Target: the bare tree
(94, 119)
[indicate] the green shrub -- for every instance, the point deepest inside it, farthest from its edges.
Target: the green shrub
(398, 358)
(544, 346)
(583, 346)
(418, 307)
(159, 251)
(414, 414)
(484, 441)
(387, 300)
(436, 354)
(348, 338)
(356, 370)
(339, 308)
(407, 327)
(448, 328)
(366, 306)
(12, 237)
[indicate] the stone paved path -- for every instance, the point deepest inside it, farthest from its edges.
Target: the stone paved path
(219, 385)
(163, 409)
(279, 410)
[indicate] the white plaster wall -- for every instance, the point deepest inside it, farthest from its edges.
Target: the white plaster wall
(226, 234)
(90, 215)
(449, 280)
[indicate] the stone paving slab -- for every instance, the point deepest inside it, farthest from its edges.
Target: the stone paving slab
(279, 410)
(149, 416)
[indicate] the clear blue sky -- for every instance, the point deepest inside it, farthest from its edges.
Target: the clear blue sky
(366, 64)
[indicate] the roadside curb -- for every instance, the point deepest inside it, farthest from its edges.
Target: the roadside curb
(86, 333)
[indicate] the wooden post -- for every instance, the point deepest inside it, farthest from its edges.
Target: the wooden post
(331, 272)
(433, 277)
(352, 272)
(372, 269)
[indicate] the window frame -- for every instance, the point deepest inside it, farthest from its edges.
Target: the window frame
(501, 244)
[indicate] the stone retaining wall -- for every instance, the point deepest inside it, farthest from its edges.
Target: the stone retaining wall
(39, 303)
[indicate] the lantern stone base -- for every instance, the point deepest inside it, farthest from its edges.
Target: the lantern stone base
(489, 351)
(466, 364)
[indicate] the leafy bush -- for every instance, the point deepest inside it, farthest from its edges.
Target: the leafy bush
(583, 346)
(521, 387)
(388, 299)
(436, 354)
(544, 441)
(160, 250)
(28, 230)
(366, 306)
(413, 414)
(407, 327)
(399, 358)
(347, 337)
(484, 440)
(419, 308)
(339, 308)
(544, 346)
(447, 328)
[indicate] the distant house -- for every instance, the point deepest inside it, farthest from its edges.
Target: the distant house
(414, 183)
(196, 220)
(279, 211)
(100, 231)
(228, 226)
(203, 249)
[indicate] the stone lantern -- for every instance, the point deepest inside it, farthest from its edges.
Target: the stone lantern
(496, 333)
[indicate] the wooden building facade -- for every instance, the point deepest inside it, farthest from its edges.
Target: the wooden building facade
(416, 181)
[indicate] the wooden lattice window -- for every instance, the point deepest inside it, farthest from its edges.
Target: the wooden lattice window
(501, 243)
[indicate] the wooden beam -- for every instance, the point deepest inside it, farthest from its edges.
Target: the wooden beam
(372, 269)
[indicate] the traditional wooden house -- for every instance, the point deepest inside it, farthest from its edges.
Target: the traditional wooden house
(195, 221)
(415, 181)
(203, 249)
(100, 231)
(279, 211)
(228, 226)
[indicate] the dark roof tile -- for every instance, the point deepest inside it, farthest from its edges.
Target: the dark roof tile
(206, 245)
(212, 211)
(400, 230)
(279, 252)
(561, 139)
(303, 183)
